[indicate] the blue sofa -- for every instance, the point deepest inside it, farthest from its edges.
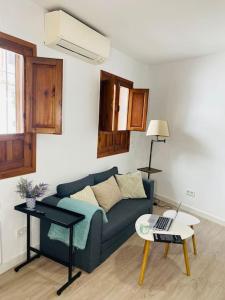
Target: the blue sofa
(103, 239)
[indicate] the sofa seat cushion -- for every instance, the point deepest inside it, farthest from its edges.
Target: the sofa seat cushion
(122, 214)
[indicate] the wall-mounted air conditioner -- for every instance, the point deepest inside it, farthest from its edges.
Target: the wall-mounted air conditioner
(69, 35)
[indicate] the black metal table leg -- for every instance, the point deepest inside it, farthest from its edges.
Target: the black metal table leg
(29, 258)
(70, 266)
(28, 237)
(70, 270)
(26, 262)
(47, 216)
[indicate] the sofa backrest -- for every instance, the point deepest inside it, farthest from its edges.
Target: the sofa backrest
(102, 176)
(70, 188)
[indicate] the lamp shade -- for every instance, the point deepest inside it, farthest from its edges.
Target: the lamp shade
(158, 127)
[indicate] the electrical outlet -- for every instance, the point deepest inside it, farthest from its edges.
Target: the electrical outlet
(21, 231)
(190, 193)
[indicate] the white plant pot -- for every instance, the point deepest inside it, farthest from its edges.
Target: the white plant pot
(31, 203)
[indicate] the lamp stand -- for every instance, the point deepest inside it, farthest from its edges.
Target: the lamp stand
(151, 148)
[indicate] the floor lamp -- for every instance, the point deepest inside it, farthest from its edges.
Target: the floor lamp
(157, 128)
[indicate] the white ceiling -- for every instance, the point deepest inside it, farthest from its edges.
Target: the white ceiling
(153, 31)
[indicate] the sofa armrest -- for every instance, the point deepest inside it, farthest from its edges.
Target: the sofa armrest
(89, 258)
(51, 200)
(149, 188)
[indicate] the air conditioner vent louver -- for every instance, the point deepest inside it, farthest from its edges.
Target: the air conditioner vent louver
(69, 35)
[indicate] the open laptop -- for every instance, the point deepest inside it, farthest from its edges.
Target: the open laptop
(162, 223)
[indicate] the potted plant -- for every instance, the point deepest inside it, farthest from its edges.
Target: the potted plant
(30, 192)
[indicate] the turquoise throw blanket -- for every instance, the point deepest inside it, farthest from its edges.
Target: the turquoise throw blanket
(80, 230)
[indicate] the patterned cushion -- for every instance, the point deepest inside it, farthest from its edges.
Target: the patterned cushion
(131, 185)
(107, 193)
(86, 195)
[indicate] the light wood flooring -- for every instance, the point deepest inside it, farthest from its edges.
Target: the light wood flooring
(117, 277)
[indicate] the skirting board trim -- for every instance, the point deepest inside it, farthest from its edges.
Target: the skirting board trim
(196, 211)
(4, 267)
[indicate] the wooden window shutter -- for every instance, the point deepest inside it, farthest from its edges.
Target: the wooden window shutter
(43, 95)
(137, 110)
(107, 104)
(111, 143)
(17, 154)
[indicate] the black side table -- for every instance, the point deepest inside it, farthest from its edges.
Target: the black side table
(56, 215)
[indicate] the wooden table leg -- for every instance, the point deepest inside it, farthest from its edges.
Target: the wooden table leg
(144, 248)
(194, 242)
(144, 262)
(167, 247)
(186, 259)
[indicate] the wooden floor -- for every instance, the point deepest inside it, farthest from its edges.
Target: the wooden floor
(117, 277)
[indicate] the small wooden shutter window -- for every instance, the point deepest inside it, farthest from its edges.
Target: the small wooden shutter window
(137, 110)
(17, 154)
(17, 151)
(43, 95)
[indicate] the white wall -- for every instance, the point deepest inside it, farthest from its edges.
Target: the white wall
(191, 96)
(73, 154)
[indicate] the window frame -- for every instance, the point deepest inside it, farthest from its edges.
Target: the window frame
(114, 141)
(26, 49)
(23, 48)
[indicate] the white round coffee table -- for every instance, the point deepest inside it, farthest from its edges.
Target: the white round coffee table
(186, 219)
(177, 228)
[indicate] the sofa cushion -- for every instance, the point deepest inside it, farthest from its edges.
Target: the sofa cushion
(124, 213)
(67, 189)
(131, 185)
(102, 176)
(107, 193)
(86, 195)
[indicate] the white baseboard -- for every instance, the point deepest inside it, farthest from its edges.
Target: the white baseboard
(193, 210)
(4, 267)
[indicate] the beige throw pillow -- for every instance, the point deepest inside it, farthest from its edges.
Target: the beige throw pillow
(131, 185)
(107, 193)
(86, 195)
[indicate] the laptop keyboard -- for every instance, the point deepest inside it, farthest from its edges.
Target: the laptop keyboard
(162, 223)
